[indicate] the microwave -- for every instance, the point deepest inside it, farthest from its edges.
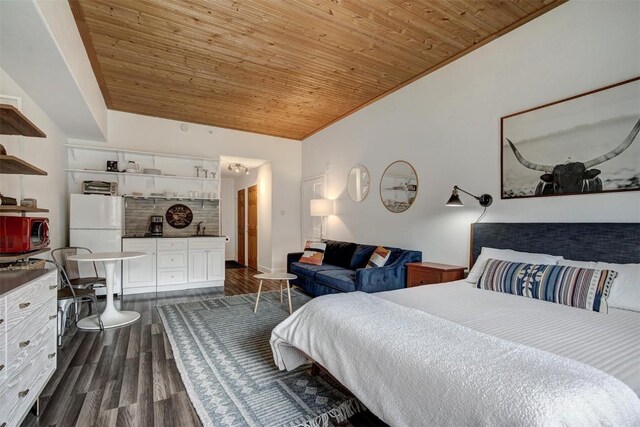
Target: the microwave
(23, 234)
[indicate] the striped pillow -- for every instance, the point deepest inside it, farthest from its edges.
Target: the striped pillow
(586, 288)
(379, 257)
(313, 253)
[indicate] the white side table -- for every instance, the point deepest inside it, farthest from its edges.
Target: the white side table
(282, 277)
(111, 317)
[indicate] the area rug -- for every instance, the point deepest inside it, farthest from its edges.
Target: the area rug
(223, 354)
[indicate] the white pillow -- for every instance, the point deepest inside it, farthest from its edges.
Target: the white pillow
(579, 264)
(625, 292)
(507, 255)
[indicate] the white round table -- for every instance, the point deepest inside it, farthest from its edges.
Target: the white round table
(111, 317)
(283, 277)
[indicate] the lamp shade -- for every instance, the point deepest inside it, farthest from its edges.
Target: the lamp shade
(321, 207)
(454, 200)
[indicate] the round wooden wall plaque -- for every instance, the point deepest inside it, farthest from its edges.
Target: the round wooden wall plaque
(179, 216)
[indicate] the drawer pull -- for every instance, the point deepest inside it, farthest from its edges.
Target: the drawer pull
(24, 305)
(23, 344)
(23, 393)
(1, 367)
(52, 287)
(51, 355)
(53, 316)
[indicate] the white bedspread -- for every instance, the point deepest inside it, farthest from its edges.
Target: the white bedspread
(411, 369)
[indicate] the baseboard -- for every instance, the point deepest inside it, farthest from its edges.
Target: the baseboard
(263, 269)
(178, 287)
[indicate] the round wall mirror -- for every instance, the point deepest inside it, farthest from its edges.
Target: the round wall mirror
(358, 183)
(398, 186)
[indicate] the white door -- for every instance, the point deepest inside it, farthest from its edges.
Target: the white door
(312, 188)
(140, 272)
(215, 264)
(198, 266)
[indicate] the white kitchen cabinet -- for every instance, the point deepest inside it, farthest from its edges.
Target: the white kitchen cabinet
(139, 275)
(172, 261)
(197, 265)
(215, 264)
(173, 264)
(206, 260)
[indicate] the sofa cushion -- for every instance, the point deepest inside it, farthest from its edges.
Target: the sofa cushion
(361, 256)
(313, 253)
(379, 257)
(310, 270)
(341, 279)
(339, 253)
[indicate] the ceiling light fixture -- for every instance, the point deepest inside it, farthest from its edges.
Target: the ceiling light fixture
(238, 167)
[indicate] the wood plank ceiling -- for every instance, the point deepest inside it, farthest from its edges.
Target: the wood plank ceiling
(278, 67)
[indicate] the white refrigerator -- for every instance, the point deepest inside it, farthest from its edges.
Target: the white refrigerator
(97, 222)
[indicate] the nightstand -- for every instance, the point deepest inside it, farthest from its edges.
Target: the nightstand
(428, 273)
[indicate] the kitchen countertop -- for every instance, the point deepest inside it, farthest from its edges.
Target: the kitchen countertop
(11, 280)
(141, 236)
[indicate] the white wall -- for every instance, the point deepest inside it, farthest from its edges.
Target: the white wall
(228, 216)
(447, 125)
(281, 227)
(45, 153)
(61, 23)
(42, 51)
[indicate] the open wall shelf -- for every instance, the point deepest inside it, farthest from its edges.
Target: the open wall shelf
(13, 122)
(14, 165)
(4, 258)
(20, 209)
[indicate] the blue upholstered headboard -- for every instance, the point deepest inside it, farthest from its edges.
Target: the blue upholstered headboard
(607, 242)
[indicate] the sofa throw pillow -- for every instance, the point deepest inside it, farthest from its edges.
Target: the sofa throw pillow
(586, 288)
(379, 257)
(313, 253)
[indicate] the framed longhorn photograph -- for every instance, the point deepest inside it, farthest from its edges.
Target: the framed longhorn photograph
(588, 143)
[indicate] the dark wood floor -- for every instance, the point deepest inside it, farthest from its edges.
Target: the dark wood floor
(127, 376)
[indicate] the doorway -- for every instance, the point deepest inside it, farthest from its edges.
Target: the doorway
(241, 226)
(252, 227)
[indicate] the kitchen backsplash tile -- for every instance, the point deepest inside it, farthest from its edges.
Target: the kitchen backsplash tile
(137, 213)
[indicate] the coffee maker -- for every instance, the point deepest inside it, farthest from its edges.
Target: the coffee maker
(155, 229)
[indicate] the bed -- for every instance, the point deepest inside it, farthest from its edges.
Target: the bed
(452, 354)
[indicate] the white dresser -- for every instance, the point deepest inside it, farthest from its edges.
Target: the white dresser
(28, 313)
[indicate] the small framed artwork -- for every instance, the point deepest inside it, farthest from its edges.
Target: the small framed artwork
(585, 144)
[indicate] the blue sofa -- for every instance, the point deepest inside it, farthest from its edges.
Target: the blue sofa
(343, 270)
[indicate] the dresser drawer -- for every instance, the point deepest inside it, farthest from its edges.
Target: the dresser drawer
(3, 317)
(423, 277)
(30, 338)
(24, 386)
(206, 243)
(172, 259)
(22, 303)
(172, 244)
(3, 363)
(429, 273)
(172, 276)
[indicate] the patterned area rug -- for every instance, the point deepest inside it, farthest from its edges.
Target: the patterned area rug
(223, 354)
